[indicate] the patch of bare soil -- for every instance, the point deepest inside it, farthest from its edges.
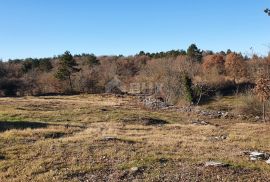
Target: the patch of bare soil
(147, 121)
(171, 171)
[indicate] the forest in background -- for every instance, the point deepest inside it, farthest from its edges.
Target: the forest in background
(186, 76)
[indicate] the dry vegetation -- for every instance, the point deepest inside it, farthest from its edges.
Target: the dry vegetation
(46, 137)
(106, 138)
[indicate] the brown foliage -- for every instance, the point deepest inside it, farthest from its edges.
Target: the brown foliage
(214, 62)
(263, 92)
(263, 88)
(235, 66)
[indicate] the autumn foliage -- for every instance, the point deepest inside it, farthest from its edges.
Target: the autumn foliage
(235, 67)
(215, 61)
(184, 75)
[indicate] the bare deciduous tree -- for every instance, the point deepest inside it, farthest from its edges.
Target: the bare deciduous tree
(263, 91)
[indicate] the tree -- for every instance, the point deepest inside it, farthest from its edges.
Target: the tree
(194, 53)
(3, 70)
(45, 65)
(267, 11)
(187, 84)
(91, 60)
(235, 66)
(262, 90)
(214, 62)
(67, 66)
(10, 87)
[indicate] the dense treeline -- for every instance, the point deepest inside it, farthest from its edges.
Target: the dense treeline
(189, 74)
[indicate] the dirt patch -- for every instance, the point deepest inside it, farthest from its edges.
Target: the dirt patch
(115, 139)
(147, 121)
(20, 125)
(45, 106)
(2, 157)
(54, 135)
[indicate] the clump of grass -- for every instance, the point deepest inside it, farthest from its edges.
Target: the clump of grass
(251, 105)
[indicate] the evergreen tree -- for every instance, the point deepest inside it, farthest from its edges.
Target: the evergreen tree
(194, 53)
(67, 66)
(187, 83)
(92, 60)
(267, 11)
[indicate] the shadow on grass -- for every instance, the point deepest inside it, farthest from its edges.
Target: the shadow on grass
(20, 125)
(2, 157)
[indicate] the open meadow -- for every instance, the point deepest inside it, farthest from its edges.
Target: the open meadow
(109, 138)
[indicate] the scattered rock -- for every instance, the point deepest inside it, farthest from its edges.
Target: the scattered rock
(115, 139)
(134, 169)
(215, 164)
(257, 117)
(219, 138)
(258, 156)
(225, 114)
(199, 122)
(110, 138)
(54, 135)
(255, 155)
(154, 103)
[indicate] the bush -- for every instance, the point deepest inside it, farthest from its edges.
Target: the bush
(11, 87)
(251, 105)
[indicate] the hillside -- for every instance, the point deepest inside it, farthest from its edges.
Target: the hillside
(109, 138)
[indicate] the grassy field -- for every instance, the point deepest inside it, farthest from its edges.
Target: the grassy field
(107, 138)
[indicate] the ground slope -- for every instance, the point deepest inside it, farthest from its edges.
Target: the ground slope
(108, 138)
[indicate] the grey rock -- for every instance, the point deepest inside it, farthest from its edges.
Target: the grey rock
(215, 164)
(199, 122)
(134, 169)
(109, 138)
(153, 103)
(225, 114)
(219, 138)
(254, 156)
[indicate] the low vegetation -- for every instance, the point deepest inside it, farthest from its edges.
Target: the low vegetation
(150, 117)
(178, 77)
(108, 138)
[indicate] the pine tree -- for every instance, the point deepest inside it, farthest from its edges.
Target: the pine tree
(194, 53)
(267, 11)
(67, 66)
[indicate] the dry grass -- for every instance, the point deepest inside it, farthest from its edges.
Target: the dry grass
(62, 139)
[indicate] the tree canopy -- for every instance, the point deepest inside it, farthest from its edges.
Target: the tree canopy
(194, 52)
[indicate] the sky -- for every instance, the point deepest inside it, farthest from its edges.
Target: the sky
(45, 28)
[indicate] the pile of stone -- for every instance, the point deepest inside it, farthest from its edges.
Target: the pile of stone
(209, 113)
(199, 122)
(214, 114)
(109, 138)
(153, 103)
(215, 164)
(258, 156)
(218, 138)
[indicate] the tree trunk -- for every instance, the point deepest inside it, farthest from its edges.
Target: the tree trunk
(70, 83)
(200, 97)
(263, 111)
(237, 89)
